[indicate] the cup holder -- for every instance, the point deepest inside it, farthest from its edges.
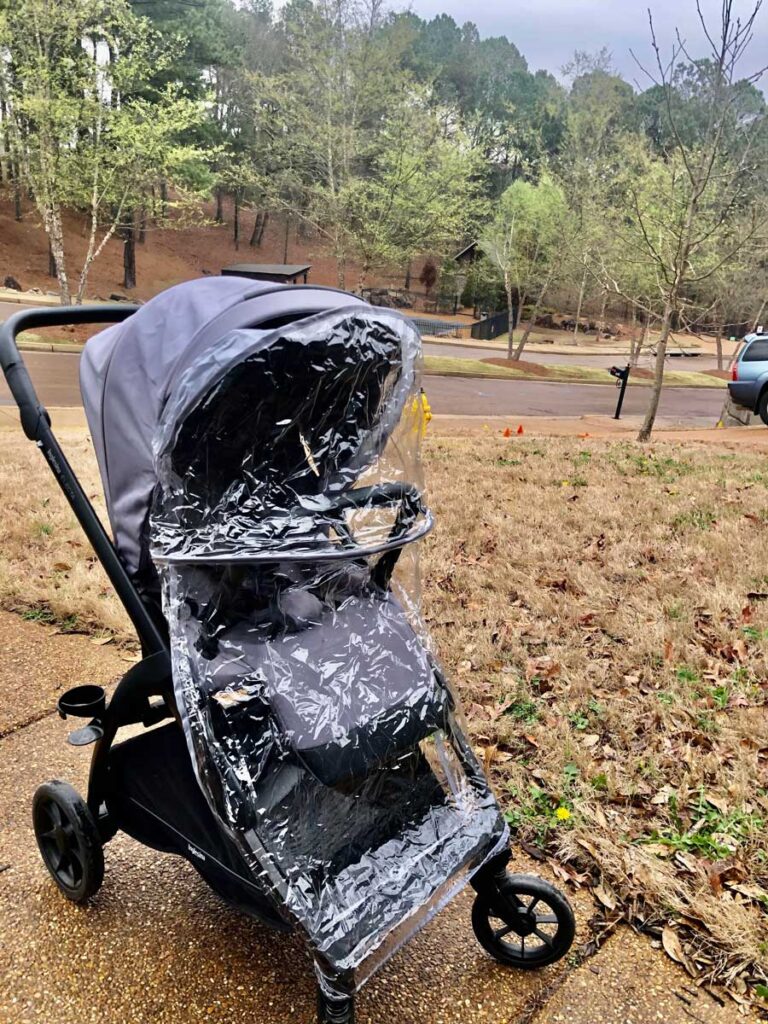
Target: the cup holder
(88, 701)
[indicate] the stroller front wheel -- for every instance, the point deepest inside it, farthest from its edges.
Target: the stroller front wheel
(335, 1011)
(68, 839)
(523, 921)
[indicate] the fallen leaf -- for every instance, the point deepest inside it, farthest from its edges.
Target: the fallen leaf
(718, 802)
(672, 946)
(663, 795)
(605, 895)
(478, 712)
(752, 892)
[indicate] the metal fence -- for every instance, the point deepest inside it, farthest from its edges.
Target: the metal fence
(492, 326)
(442, 328)
(481, 330)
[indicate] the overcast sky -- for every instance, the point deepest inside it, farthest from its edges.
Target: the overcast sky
(548, 31)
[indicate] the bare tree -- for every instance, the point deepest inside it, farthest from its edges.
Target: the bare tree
(690, 203)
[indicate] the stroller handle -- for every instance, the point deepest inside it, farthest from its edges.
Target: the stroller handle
(34, 415)
(36, 424)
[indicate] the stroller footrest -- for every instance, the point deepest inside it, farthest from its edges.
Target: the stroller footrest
(394, 890)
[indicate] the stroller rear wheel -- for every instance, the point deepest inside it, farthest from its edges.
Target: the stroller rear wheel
(523, 921)
(68, 839)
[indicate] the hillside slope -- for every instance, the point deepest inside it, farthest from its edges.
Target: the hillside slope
(167, 256)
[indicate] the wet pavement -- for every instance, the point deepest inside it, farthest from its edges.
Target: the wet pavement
(156, 945)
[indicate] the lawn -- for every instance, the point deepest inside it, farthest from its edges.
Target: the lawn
(451, 366)
(603, 611)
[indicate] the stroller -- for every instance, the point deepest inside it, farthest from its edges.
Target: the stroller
(258, 447)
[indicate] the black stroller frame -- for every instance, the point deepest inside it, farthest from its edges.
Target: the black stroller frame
(506, 906)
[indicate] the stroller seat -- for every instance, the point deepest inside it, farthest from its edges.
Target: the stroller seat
(347, 692)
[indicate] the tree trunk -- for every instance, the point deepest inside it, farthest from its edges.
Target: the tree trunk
(55, 232)
(634, 341)
(658, 380)
(285, 243)
(163, 198)
(407, 281)
(259, 227)
(601, 321)
(532, 318)
(129, 253)
(5, 149)
(582, 289)
(51, 261)
(143, 226)
(510, 318)
(16, 194)
(719, 346)
(255, 232)
(236, 219)
(219, 206)
(759, 317)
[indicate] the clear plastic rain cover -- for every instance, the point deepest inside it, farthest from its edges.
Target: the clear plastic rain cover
(321, 729)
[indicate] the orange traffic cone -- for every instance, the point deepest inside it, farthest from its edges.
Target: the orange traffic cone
(520, 429)
(507, 432)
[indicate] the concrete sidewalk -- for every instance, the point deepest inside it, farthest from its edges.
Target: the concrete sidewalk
(157, 946)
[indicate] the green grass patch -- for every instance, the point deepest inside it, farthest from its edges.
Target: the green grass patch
(451, 366)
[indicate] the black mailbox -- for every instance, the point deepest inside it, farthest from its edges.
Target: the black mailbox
(622, 376)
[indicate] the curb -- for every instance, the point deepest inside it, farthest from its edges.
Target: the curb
(555, 380)
(44, 346)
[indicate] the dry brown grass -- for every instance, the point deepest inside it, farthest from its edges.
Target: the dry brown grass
(47, 568)
(603, 609)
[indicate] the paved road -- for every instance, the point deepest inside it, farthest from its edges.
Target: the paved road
(466, 397)
(55, 376)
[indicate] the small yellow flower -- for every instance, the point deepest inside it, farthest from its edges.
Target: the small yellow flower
(562, 814)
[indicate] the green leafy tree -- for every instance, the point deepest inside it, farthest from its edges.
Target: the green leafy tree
(523, 241)
(82, 127)
(420, 192)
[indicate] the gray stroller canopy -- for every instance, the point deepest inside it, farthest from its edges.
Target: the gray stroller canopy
(127, 372)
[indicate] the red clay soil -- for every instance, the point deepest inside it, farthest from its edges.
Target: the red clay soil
(720, 374)
(167, 257)
(535, 369)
